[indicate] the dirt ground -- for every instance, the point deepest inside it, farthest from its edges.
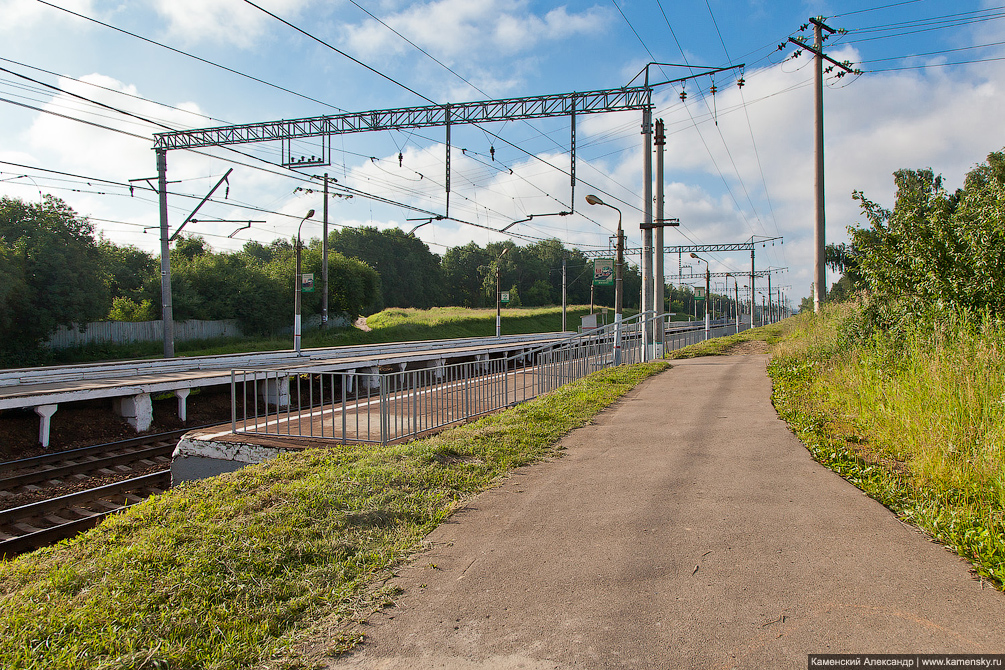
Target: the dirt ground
(82, 424)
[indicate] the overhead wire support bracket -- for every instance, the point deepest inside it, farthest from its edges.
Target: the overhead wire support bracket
(202, 202)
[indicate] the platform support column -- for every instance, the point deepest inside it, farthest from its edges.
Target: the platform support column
(45, 413)
(137, 410)
(183, 403)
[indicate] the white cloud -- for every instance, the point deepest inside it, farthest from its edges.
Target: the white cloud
(223, 21)
(461, 29)
(22, 15)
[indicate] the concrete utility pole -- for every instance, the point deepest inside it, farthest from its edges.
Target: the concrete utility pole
(819, 236)
(819, 241)
(564, 284)
(769, 299)
(647, 231)
(658, 280)
(167, 311)
(324, 261)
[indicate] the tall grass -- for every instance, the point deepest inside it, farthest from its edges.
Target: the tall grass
(916, 418)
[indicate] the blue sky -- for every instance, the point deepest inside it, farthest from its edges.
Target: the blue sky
(738, 163)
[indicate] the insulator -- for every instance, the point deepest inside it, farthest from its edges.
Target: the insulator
(781, 47)
(130, 190)
(226, 192)
(797, 54)
(740, 82)
(400, 159)
(713, 89)
(683, 96)
(492, 152)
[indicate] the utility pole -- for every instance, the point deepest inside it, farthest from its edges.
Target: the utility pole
(564, 329)
(752, 275)
(819, 241)
(769, 298)
(167, 311)
(819, 232)
(647, 231)
(658, 279)
(324, 261)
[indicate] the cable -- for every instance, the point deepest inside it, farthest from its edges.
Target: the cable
(184, 53)
(111, 90)
(873, 9)
(339, 51)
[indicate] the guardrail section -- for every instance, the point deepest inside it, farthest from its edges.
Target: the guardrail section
(374, 405)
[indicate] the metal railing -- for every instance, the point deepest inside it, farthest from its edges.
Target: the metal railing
(374, 406)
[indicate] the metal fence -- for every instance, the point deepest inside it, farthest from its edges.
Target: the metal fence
(374, 406)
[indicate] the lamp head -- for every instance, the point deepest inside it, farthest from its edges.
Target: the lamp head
(310, 213)
(594, 200)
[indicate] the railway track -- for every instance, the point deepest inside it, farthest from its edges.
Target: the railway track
(39, 524)
(56, 496)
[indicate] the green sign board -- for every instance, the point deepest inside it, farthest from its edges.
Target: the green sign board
(307, 283)
(603, 272)
(699, 292)
(504, 297)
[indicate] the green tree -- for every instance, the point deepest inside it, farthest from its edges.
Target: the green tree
(127, 269)
(410, 274)
(53, 273)
(462, 277)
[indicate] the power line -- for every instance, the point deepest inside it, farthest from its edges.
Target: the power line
(185, 53)
(111, 90)
(875, 9)
(340, 52)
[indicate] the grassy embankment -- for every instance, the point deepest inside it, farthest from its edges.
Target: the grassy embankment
(228, 572)
(390, 325)
(916, 421)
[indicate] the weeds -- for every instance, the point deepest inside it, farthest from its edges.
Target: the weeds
(916, 418)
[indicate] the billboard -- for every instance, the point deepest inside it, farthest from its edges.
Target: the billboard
(603, 272)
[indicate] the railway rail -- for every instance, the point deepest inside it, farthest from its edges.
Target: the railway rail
(42, 523)
(67, 492)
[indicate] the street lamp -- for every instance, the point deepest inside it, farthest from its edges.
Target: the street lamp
(708, 278)
(296, 289)
(618, 282)
(499, 295)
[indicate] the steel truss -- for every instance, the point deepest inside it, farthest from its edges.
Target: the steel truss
(485, 111)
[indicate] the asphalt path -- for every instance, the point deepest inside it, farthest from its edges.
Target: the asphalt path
(685, 528)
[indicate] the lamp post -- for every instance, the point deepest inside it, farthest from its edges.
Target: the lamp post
(499, 295)
(618, 282)
(296, 289)
(708, 277)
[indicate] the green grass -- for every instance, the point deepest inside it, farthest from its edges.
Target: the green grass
(917, 423)
(722, 346)
(390, 325)
(226, 572)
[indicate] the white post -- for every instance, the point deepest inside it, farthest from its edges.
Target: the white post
(45, 413)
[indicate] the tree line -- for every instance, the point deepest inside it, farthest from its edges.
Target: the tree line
(56, 271)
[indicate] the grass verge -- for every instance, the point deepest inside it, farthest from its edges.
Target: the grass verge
(917, 423)
(723, 346)
(227, 572)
